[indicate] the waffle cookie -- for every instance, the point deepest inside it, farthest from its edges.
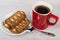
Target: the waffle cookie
(17, 22)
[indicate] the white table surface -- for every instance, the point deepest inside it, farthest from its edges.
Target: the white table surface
(9, 6)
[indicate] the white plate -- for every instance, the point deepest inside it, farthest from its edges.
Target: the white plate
(5, 30)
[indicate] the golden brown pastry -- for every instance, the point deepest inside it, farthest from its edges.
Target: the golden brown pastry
(23, 25)
(6, 25)
(17, 22)
(14, 31)
(15, 18)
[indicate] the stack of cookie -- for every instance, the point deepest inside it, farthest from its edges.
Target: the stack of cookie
(17, 22)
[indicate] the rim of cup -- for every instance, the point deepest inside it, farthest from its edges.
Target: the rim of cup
(38, 3)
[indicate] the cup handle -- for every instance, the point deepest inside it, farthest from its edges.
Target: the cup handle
(54, 17)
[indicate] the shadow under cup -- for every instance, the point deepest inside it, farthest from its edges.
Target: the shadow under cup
(42, 9)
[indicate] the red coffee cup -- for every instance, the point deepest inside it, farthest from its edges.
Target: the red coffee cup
(41, 20)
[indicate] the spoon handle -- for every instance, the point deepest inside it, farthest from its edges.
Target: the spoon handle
(48, 33)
